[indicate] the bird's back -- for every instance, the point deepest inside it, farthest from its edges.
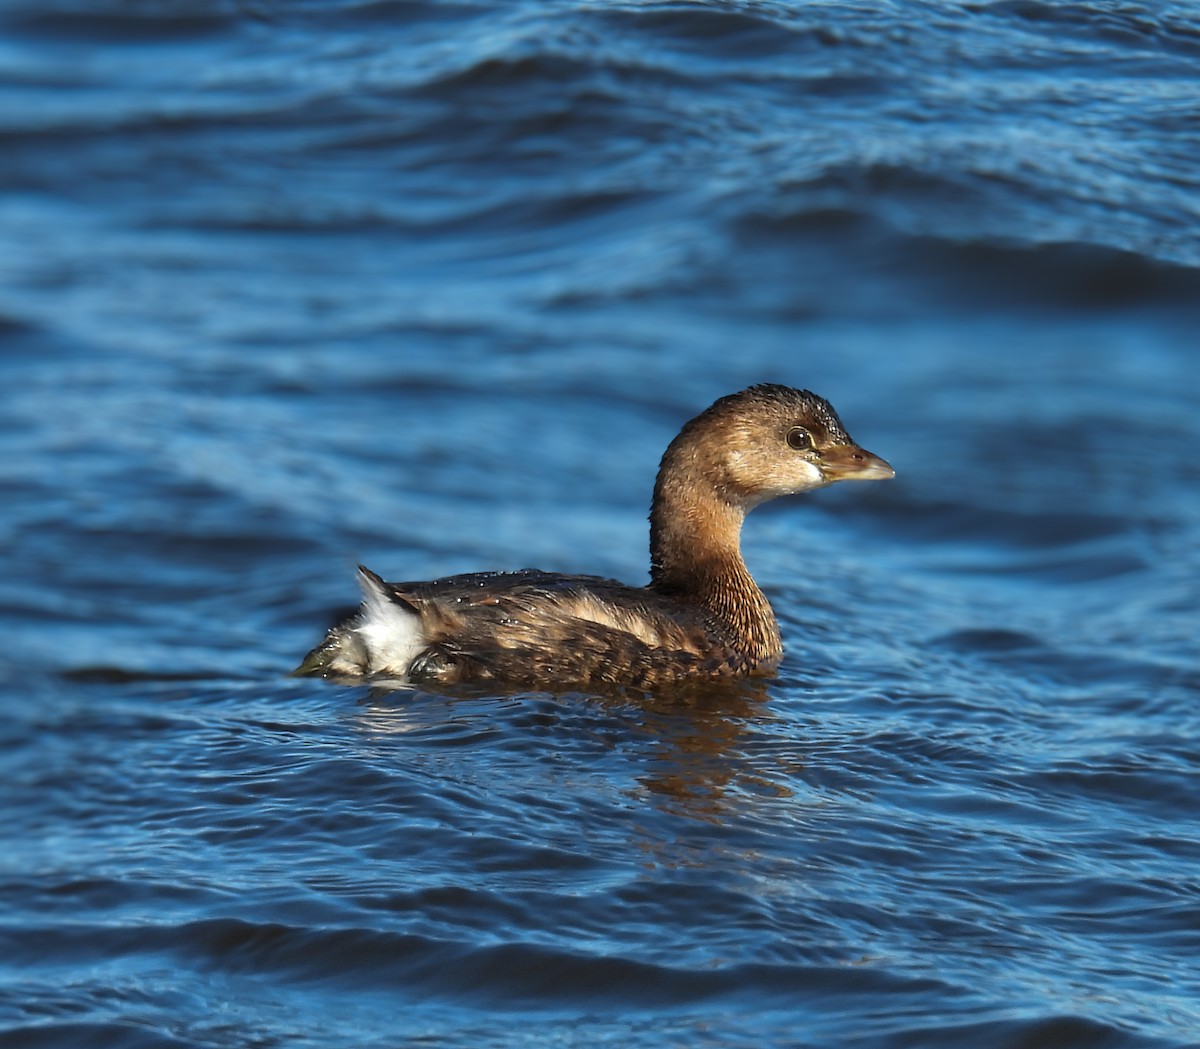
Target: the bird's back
(529, 626)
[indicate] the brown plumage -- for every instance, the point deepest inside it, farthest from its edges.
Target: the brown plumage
(701, 616)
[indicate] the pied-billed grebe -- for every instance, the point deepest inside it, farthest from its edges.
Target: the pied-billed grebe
(701, 616)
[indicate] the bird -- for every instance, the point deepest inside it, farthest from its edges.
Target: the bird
(701, 616)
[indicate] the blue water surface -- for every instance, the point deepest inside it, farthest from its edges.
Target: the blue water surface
(430, 285)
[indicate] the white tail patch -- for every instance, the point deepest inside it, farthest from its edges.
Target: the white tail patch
(390, 632)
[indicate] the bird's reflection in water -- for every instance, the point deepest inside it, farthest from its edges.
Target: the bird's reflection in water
(700, 757)
(696, 746)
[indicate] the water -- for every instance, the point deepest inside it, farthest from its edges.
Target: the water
(430, 286)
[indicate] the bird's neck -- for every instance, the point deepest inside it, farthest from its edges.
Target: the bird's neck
(696, 557)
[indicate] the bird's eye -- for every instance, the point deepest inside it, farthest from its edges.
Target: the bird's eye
(799, 438)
